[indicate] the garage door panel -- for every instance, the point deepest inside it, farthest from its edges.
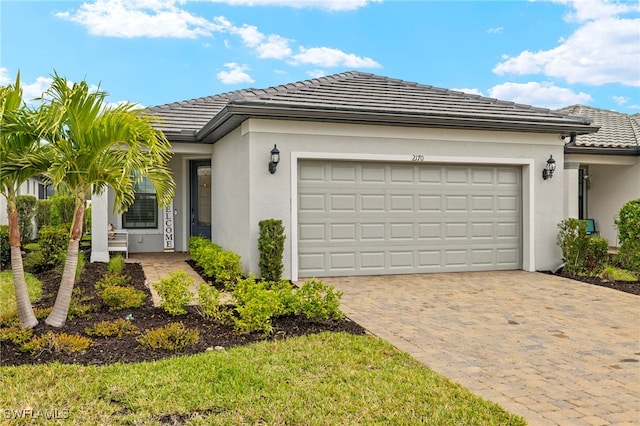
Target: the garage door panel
(385, 218)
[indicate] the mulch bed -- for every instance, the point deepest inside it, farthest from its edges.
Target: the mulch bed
(212, 335)
(127, 349)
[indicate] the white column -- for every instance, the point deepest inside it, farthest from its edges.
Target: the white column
(99, 226)
(571, 183)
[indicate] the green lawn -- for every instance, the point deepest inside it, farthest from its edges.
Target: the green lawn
(324, 379)
(8, 293)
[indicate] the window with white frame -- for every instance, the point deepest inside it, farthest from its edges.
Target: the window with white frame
(143, 213)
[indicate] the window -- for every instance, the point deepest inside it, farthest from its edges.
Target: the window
(143, 213)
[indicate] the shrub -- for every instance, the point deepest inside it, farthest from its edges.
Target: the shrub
(271, 246)
(62, 209)
(112, 280)
(628, 224)
(119, 328)
(116, 264)
(62, 342)
(5, 247)
(172, 337)
(319, 301)
(26, 205)
(118, 298)
(289, 302)
(572, 239)
(43, 212)
(209, 304)
(596, 255)
(15, 335)
(174, 292)
(222, 266)
(612, 273)
(255, 305)
(54, 242)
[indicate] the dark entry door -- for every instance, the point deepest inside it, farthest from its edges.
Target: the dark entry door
(200, 171)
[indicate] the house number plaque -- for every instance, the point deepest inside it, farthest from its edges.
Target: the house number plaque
(417, 157)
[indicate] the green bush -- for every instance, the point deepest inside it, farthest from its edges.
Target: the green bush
(256, 306)
(197, 242)
(319, 301)
(15, 335)
(596, 255)
(271, 247)
(118, 298)
(628, 224)
(54, 242)
(116, 264)
(5, 247)
(57, 342)
(62, 209)
(43, 212)
(34, 262)
(112, 279)
(26, 205)
(119, 328)
(174, 292)
(172, 337)
(209, 304)
(289, 300)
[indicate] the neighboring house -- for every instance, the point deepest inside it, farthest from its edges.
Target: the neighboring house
(602, 169)
(33, 186)
(375, 176)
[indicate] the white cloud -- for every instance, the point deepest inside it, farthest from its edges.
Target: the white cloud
(139, 18)
(497, 30)
(31, 91)
(470, 91)
(316, 73)
(4, 77)
(545, 94)
(329, 57)
(604, 49)
(334, 5)
(276, 47)
(620, 100)
(235, 75)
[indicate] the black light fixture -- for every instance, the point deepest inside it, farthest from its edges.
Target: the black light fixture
(547, 172)
(275, 159)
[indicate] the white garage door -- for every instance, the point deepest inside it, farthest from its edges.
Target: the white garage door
(370, 218)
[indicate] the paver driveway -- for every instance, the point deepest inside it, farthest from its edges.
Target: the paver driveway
(553, 350)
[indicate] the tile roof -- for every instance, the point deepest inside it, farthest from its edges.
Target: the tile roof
(617, 130)
(357, 97)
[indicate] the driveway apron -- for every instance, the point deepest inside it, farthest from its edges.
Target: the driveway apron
(553, 350)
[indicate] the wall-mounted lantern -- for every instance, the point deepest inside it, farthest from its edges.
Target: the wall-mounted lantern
(275, 159)
(547, 172)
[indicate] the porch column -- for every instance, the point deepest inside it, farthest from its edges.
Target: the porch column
(99, 226)
(571, 183)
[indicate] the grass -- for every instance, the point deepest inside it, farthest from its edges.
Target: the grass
(617, 274)
(8, 294)
(323, 379)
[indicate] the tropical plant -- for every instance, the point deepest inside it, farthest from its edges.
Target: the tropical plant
(95, 146)
(18, 140)
(271, 246)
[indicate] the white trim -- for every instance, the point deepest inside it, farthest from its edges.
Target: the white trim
(528, 191)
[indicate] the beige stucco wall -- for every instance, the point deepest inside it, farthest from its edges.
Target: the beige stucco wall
(245, 191)
(611, 186)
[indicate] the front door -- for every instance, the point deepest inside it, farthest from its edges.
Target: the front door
(200, 172)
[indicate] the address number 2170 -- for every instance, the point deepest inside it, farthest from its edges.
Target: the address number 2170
(417, 157)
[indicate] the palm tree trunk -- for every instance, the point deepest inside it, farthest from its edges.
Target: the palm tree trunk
(58, 315)
(25, 310)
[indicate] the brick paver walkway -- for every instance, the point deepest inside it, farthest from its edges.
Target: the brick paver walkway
(553, 350)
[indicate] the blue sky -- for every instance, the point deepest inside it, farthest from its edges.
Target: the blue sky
(544, 53)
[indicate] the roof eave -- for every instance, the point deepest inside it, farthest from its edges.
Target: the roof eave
(600, 150)
(234, 113)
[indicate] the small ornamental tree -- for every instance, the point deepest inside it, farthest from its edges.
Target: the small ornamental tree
(271, 246)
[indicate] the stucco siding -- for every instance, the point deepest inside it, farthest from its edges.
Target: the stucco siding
(271, 194)
(611, 186)
(230, 170)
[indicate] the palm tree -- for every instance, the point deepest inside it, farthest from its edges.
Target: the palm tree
(18, 139)
(95, 147)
